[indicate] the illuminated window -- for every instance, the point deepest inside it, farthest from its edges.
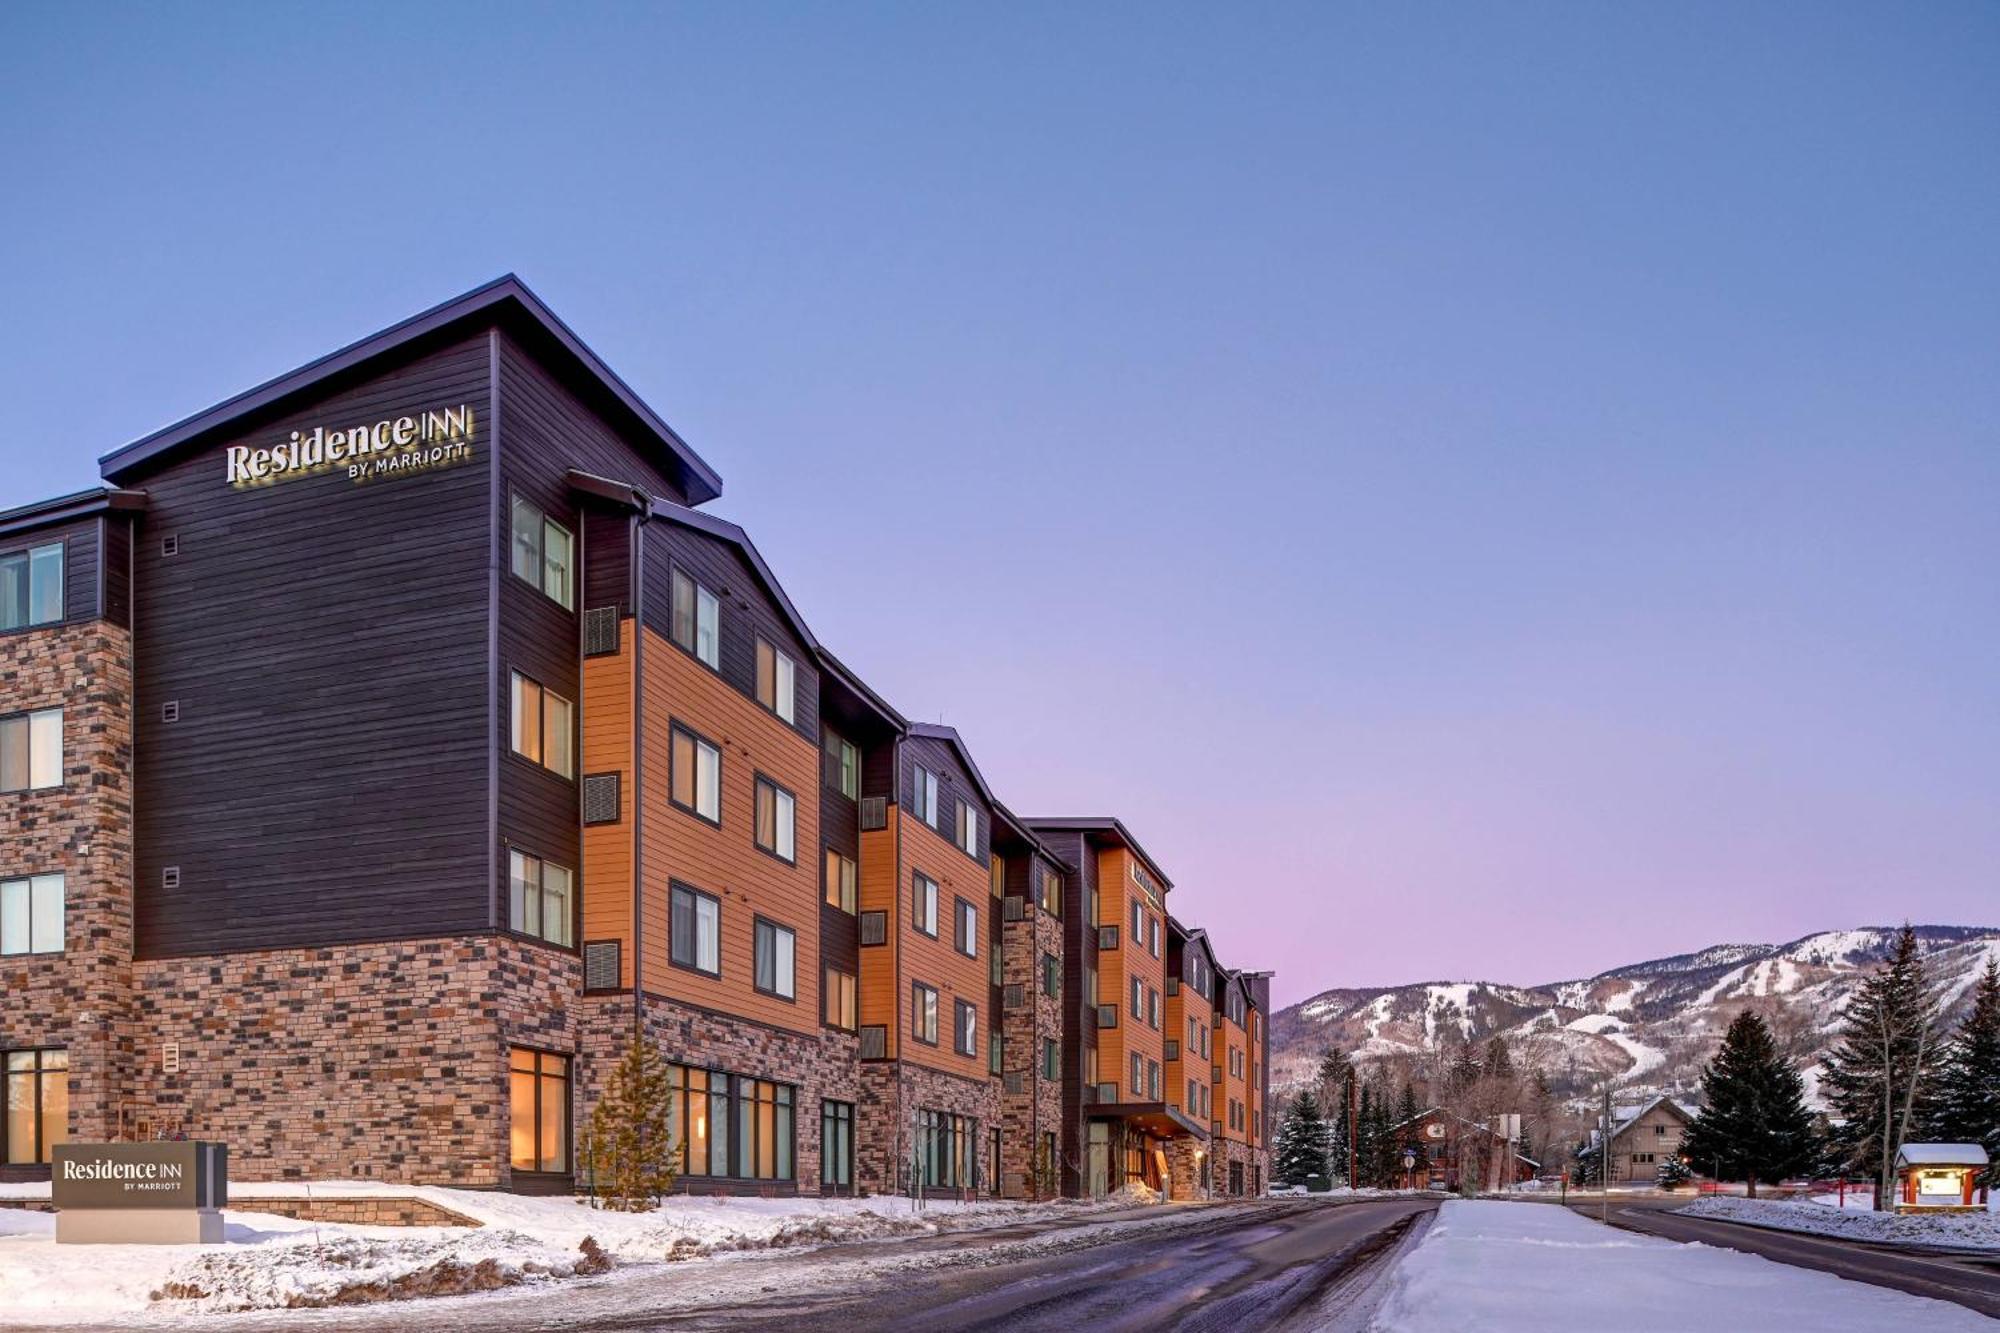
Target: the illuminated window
(697, 620)
(538, 898)
(840, 995)
(544, 726)
(777, 681)
(695, 780)
(777, 820)
(842, 881)
(538, 1101)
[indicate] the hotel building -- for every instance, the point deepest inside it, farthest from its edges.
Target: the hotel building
(381, 748)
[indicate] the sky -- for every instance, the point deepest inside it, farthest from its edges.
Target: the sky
(1487, 491)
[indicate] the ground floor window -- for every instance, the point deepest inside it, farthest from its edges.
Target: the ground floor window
(35, 1110)
(538, 1098)
(949, 1145)
(1236, 1177)
(730, 1126)
(993, 1158)
(836, 1144)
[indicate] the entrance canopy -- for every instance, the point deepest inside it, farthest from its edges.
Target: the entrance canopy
(1159, 1119)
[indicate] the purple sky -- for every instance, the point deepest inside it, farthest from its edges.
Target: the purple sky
(1496, 492)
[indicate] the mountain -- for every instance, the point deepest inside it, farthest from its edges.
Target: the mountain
(1648, 1026)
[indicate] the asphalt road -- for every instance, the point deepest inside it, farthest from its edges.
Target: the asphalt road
(1235, 1268)
(1971, 1281)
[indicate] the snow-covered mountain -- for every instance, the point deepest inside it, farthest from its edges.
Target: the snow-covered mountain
(1649, 1025)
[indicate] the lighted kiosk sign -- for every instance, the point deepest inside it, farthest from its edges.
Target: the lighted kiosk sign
(387, 448)
(130, 1193)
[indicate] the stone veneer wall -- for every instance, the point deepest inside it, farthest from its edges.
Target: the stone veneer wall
(78, 999)
(1036, 1108)
(893, 1092)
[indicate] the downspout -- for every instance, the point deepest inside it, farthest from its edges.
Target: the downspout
(896, 916)
(638, 577)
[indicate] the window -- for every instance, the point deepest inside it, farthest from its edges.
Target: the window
(544, 553)
(1138, 923)
(538, 898)
(968, 829)
(695, 931)
(1138, 1074)
(996, 875)
(697, 624)
(836, 1143)
(924, 1013)
(1153, 1008)
(965, 1026)
(776, 960)
(949, 1145)
(544, 725)
(34, 1112)
(733, 1127)
(924, 796)
(1051, 1059)
(694, 781)
(1051, 976)
(538, 1100)
(994, 1054)
(965, 928)
(1193, 1102)
(777, 681)
(1138, 998)
(1051, 893)
(842, 879)
(1090, 904)
(838, 995)
(924, 903)
(1153, 936)
(777, 820)
(31, 915)
(1659, 1131)
(1153, 1079)
(843, 766)
(31, 750)
(31, 587)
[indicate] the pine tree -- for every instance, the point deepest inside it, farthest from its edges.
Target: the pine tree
(1753, 1124)
(628, 1148)
(1364, 1139)
(1300, 1151)
(1407, 1108)
(1583, 1171)
(1966, 1108)
(1384, 1149)
(1879, 1076)
(1499, 1062)
(1674, 1171)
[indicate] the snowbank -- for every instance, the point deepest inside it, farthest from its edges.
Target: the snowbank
(1973, 1231)
(274, 1262)
(1496, 1265)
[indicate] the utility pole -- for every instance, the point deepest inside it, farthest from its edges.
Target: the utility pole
(1351, 1114)
(1604, 1161)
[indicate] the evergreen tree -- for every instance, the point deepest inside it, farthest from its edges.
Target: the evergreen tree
(1583, 1168)
(1674, 1172)
(1366, 1126)
(1407, 1108)
(1385, 1148)
(628, 1148)
(1300, 1151)
(1499, 1063)
(1966, 1108)
(1879, 1076)
(1462, 1073)
(1753, 1124)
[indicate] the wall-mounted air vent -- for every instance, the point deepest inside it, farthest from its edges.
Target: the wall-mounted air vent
(170, 878)
(1107, 1093)
(1107, 1015)
(1015, 996)
(1173, 1050)
(1107, 938)
(1013, 909)
(1016, 1083)
(874, 813)
(601, 965)
(170, 1057)
(170, 711)
(1173, 985)
(601, 803)
(874, 927)
(170, 544)
(600, 631)
(874, 1043)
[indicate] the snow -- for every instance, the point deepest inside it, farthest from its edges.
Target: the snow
(1595, 1024)
(1493, 1265)
(1645, 1058)
(1624, 999)
(277, 1262)
(1972, 1231)
(1941, 1154)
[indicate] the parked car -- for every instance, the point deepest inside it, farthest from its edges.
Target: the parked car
(1284, 1191)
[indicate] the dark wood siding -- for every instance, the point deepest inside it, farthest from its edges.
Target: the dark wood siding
(327, 642)
(117, 579)
(607, 559)
(955, 788)
(546, 418)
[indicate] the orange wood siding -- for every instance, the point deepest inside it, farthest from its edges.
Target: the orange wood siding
(1182, 1006)
(726, 861)
(1116, 892)
(881, 999)
(935, 962)
(607, 708)
(1229, 1037)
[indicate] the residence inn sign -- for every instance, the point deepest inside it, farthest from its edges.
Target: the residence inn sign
(425, 440)
(139, 1192)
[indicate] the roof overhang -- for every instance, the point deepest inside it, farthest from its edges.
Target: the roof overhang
(1103, 826)
(949, 736)
(1160, 1119)
(66, 508)
(724, 531)
(505, 298)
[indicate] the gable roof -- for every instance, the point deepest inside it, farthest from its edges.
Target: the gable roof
(1941, 1154)
(504, 297)
(666, 511)
(1626, 1120)
(1104, 826)
(949, 735)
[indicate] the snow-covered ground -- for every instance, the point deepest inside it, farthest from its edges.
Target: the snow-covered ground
(271, 1262)
(1975, 1231)
(1493, 1265)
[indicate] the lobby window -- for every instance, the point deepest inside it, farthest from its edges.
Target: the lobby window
(697, 623)
(776, 960)
(842, 881)
(965, 1027)
(924, 903)
(777, 820)
(544, 727)
(1051, 1059)
(695, 780)
(544, 553)
(538, 1101)
(843, 765)
(31, 587)
(1051, 976)
(836, 1143)
(35, 1109)
(968, 829)
(924, 796)
(950, 1147)
(777, 681)
(31, 915)
(924, 1013)
(31, 750)
(965, 928)
(538, 898)
(731, 1126)
(839, 997)
(764, 1131)
(695, 931)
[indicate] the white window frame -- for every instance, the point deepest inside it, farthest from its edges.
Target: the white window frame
(32, 915)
